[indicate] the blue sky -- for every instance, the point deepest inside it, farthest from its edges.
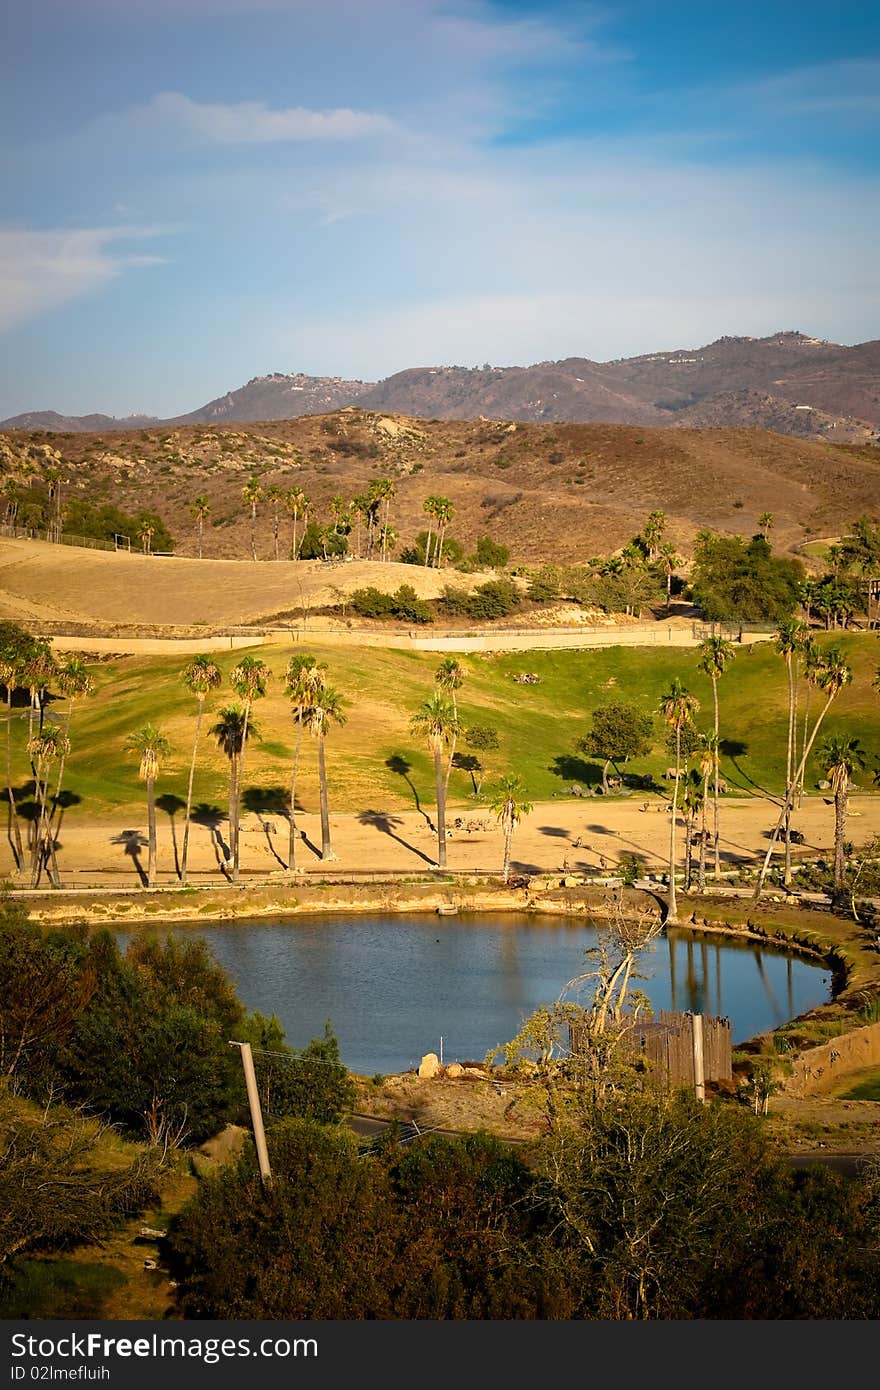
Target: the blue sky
(194, 192)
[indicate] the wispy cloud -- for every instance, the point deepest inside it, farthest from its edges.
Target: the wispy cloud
(42, 269)
(254, 123)
(850, 86)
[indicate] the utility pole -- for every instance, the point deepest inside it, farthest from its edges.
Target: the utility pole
(253, 1095)
(699, 1072)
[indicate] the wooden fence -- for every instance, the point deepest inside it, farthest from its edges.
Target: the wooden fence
(666, 1046)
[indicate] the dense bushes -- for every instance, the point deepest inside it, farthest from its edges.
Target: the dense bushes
(404, 605)
(735, 581)
(495, 599)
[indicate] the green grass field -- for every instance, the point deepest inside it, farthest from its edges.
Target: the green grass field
(538, 725)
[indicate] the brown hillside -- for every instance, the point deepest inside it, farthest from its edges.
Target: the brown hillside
(561, 491)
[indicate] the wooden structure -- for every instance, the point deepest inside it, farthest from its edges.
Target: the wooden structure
(666, 1046)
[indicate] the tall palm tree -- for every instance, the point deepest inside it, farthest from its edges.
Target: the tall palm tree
(841, 758)
(766, 522)
(200, 508)
(44, 748)
(790, 645)
(706, 762)
(302, 683)
(444, 512)
(275, 496)
(15, 646)
(327, 708)
(509, 805)
(438, 723)
(449, 676)
(74, 681)
(669, 556)
(200, 677)
(252, 494)
(297, 504)
(830, 675)
(230, 731)
(652, 533)
(429, 507)
(677, 708)
(37, 671)
(249, 679)
(151, 745)
(714, 656)
(384, 490)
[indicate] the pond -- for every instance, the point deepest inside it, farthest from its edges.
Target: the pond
(393, 986)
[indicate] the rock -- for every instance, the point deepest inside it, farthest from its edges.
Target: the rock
(570, 881)
(824, 785)
(429, 1066)
(455, 1069)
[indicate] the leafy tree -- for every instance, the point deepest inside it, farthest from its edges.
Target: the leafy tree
(618, 732)
(491, 554)
(741, 582)
(311, 1083)
(483, 738)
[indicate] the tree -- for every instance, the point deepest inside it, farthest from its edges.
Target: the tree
(790, 645)
(483, 738)
(437, 722)
(618, 732)
(16, 646)
(766, 522)
(252, 494)
(230, 732)
(74, 681)
(384, 491)
(708, 762)
(46, 746)
(715, 655)
(670, 558)
(652, 533)
(249, 680)
(830, 674)
(677, 708)
(275, 496)
(200, 677)
(298, 504)
(443, 513)
(841, 757)
(509, 805)
(151, 745)
(743, 582)
(303, 682)
(200, 509)
(491, 554)
(146, 530)
(326, 709)
(449, 676)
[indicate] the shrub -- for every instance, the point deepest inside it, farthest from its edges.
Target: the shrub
(371, 603)
(491, 554)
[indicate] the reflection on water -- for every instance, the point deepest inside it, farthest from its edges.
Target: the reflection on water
(393, 986)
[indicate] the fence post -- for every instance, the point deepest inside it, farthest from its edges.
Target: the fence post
(699, 1072)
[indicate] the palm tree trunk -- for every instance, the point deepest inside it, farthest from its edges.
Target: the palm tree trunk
(275, 532)
(788, 768)
(201, 523)
(233, 814)
(671, 899)
(508, 839)
(799, 783)
(715, 789)
(326, 847)
(701, 868)
(14, 829)
(291, 836)
(240, 784)
(151, 831)
(441, 808)
(189, 794)
(841, 797)
(254, 530)
(37, 854)
(428, 549)
(605, 767)
(799, 774)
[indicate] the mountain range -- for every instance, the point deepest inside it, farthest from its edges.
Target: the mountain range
(789, 383)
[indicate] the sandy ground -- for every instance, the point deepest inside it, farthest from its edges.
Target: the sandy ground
(376, 841)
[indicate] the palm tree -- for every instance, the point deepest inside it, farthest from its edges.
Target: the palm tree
(297, 504)
(766, 522)
(252, 493)
(841, 758)
(74, 680)
(450, 677)
(200, 508)
(652, 533)
(37, 670)
(509, 806)
(429, 507)
(384, 491)
(692, 802)
(44, 748)
(677, 708)
(302, 684)
(249, 680)
(438, 723)
(444, 512)
(327, 708)
(151, 745)
(230, 733)
(15, 647)
(670, 558)
(706, 764)
(275, 495)
(790, 645)
(146, 530)
(200, 677)
(830, 674)
(715, 655)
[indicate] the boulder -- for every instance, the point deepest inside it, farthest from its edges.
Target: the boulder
(429, 1066)
(455, 1069)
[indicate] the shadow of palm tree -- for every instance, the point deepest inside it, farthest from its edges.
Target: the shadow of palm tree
(386, 824)
(134, 842)
(466, 762)
(212, 817)
(263, 801)
(402, 768)
(733, 749)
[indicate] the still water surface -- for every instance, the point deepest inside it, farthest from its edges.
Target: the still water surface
(393, 986)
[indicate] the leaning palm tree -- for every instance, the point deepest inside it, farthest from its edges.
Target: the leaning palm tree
(509, 805)
(327, 708)
(841, 758)
(252, 493)
(677, 708)
(74, 680)
(200, 677)
(200, 508)
(830, 674)
(437, 721)
(249, 680)
(715, 655)
(302, 684)
(230, 731)
(151, 746)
